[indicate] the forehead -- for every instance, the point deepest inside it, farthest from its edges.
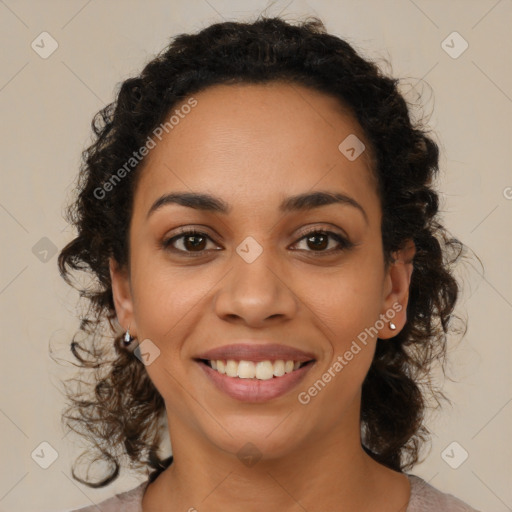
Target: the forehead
(254, 141)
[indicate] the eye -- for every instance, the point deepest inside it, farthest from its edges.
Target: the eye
(318, 241)
(191, 241)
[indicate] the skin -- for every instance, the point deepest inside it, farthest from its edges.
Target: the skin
(253, 146)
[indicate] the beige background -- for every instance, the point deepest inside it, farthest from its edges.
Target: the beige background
(47, 106)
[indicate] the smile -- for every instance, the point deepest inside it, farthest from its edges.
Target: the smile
(250, 381)
(262, 370)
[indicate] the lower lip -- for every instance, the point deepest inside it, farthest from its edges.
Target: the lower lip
(255, 390)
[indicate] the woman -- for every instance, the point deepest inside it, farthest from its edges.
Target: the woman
(259, 216)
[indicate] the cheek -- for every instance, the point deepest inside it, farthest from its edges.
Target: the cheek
(346, 304)
(161, 310)
(347, 316)
(164, 304)
(163, 296)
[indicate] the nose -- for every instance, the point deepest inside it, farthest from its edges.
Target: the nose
(257, 293)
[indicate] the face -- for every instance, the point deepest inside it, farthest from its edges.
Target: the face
(261, 269)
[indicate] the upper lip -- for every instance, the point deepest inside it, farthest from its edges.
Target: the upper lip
(256, 352)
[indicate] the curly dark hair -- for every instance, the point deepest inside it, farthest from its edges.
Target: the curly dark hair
(120, 411)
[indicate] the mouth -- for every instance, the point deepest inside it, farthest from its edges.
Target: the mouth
(257, 370)
(254, 381)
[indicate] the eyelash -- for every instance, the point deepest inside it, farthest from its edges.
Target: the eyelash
(343, 242)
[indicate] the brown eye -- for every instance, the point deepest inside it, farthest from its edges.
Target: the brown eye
(194, 242)
(318, 241)
(187, 242)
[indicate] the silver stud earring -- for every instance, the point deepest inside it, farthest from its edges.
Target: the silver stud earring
(127, 339)
(392, 326)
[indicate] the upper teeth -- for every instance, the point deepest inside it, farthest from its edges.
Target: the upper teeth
(262, 370)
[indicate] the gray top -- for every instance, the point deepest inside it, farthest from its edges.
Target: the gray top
(424, 498)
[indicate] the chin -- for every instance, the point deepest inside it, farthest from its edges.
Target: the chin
(266, 438)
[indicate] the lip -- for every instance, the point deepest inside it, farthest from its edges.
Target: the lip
(256, 352)
(255, 390)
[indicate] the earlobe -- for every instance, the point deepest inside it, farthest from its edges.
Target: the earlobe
(121, 293)
(398, 279)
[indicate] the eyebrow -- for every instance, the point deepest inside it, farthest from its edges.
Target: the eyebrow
(300, 202)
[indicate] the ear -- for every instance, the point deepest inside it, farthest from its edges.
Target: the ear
(396, 290)
(122, 295)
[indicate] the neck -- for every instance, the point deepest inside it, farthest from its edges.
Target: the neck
(331, 472)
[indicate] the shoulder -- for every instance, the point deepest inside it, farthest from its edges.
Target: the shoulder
(129, 501)
(425, 498)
